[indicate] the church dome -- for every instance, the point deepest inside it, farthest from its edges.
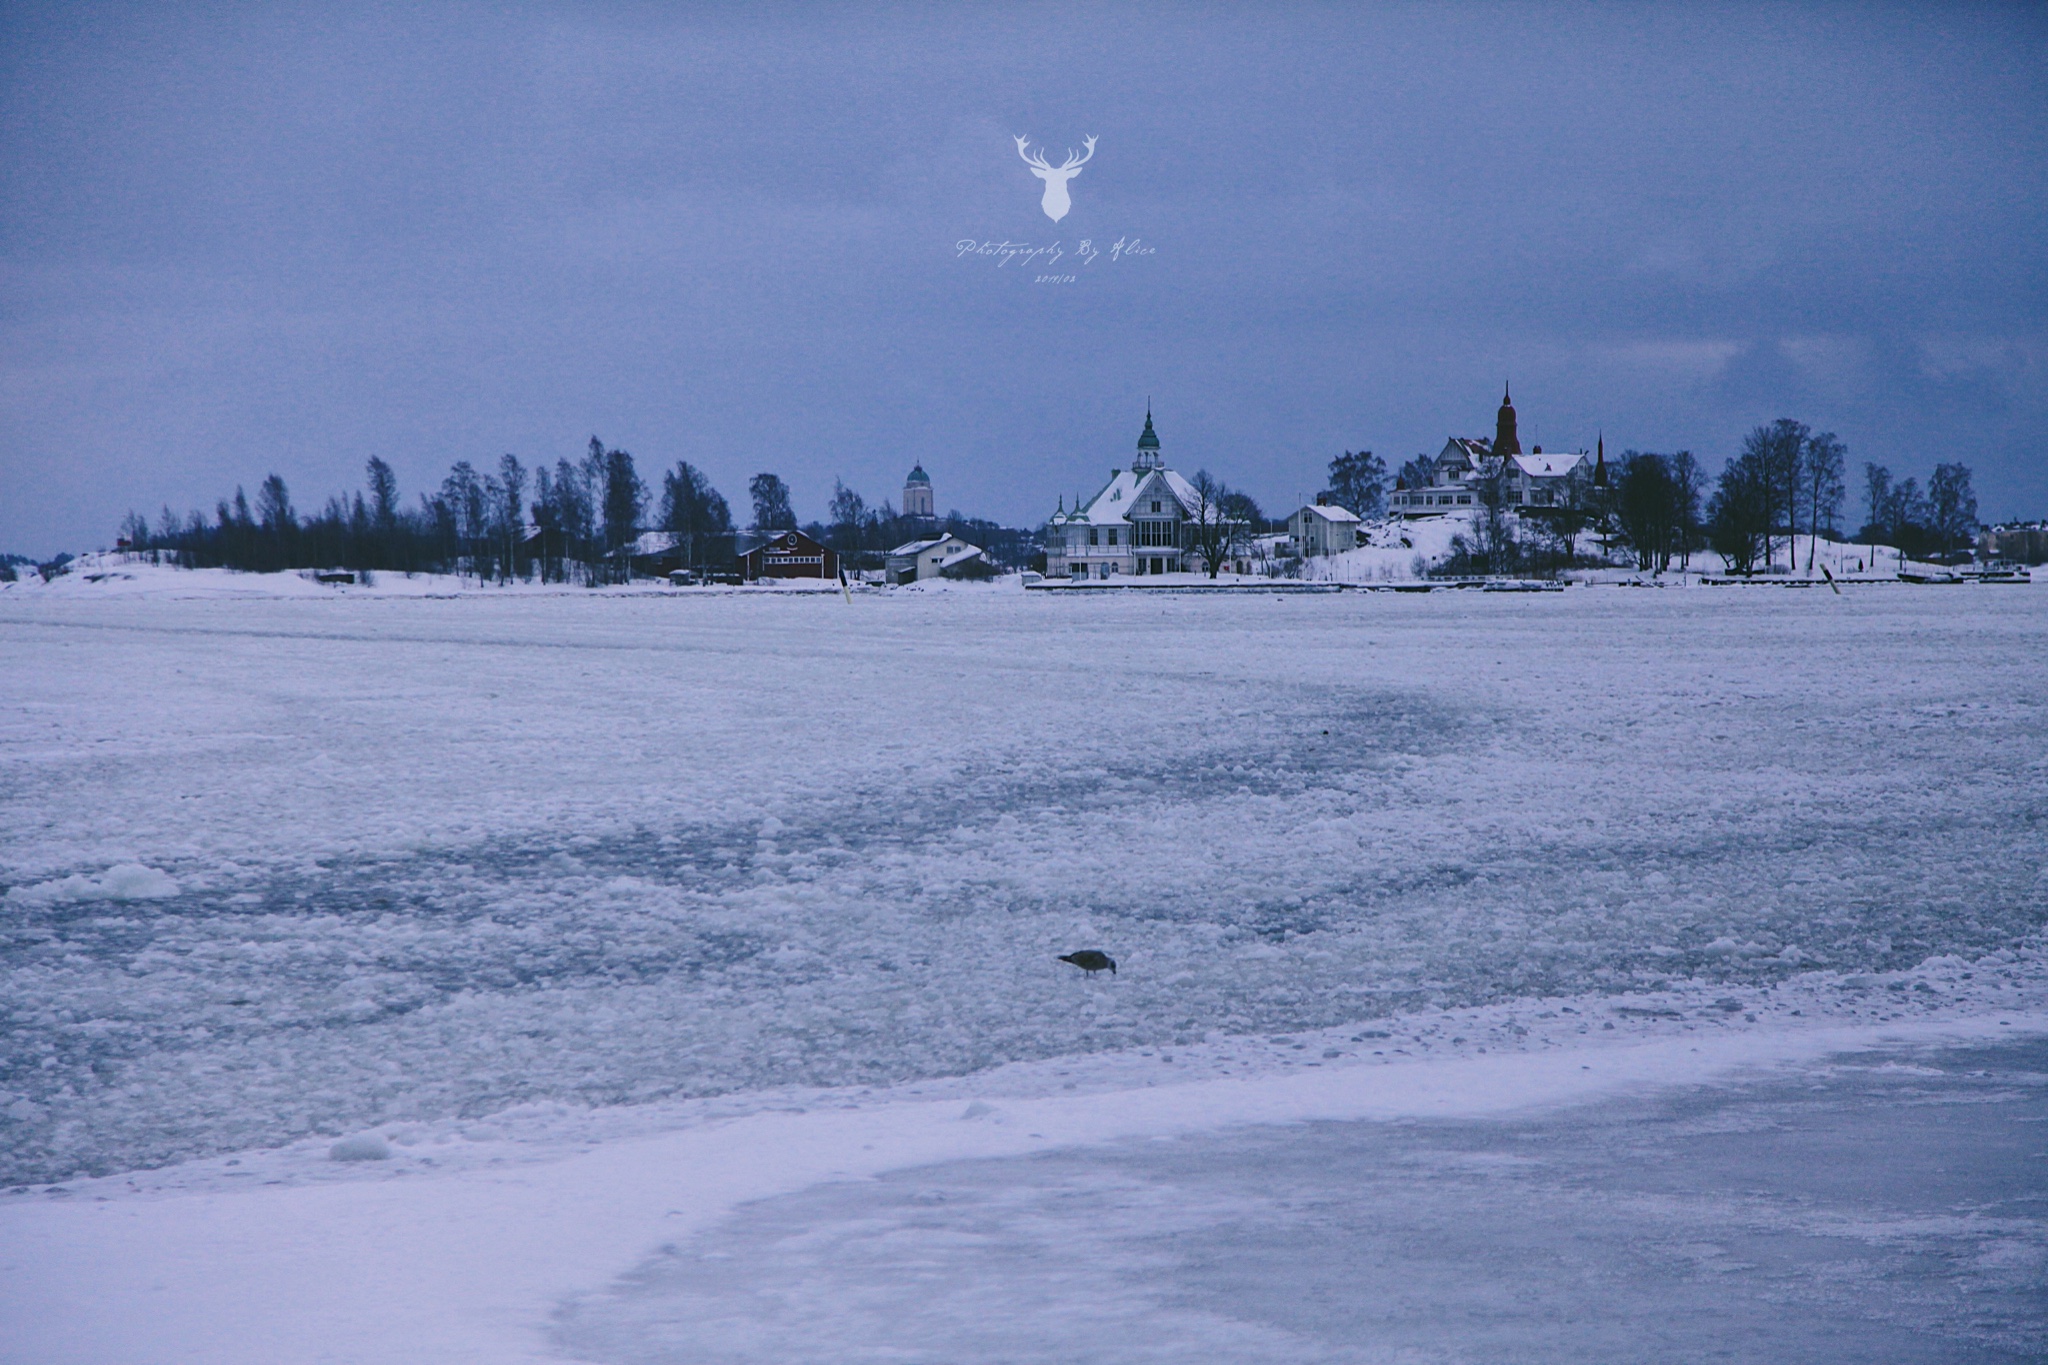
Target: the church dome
(917, 475)
(1150, 439)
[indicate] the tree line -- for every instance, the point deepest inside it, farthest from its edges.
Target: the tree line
(580, 521)
(1787, 485)
(579, 526)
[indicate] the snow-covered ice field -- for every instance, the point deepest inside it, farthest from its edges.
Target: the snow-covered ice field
(588, 908)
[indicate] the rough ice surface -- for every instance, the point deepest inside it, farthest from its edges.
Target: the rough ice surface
(1890, 1206)
(433, 859)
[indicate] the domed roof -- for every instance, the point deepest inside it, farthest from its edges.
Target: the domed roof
(1150, 439)
(917, 475)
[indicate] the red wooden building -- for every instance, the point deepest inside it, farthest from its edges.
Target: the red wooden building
(789, 554)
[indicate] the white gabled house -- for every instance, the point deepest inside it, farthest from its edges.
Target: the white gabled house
(922, 559)
(1137, 524)
(1322, 529)
(1533, 481)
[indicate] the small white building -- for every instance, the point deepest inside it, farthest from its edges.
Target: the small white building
(922, 559)
(1322, 529)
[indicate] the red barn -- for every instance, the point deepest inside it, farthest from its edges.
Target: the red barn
(789, 554)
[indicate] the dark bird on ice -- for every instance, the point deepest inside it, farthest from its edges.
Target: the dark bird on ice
(1091, 962)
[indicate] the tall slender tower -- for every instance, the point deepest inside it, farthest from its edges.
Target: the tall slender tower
(917, 494)
(1505, 442)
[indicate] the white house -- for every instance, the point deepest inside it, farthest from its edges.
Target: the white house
(1137, 524)
(1451, 476)
(922, 559)
(1538, 480)
(1322, 529)
(1533, 481)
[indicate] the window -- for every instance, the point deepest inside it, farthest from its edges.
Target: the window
(1463, 499)
(1150, 533)
(1091, 535)
(1155, 504)
(1112, 535)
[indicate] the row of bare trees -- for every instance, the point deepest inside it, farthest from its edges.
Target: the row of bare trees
(1784, 481)
(579, 521)
(584, 517)
(1939, 521)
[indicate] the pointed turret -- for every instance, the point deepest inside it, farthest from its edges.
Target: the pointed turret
(1600, 461)
(1505, 442)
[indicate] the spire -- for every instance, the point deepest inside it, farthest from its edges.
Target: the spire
(1505, 442)
(1600, 461)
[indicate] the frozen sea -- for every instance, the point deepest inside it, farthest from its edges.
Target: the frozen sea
(1889, 1207)
(515, 868)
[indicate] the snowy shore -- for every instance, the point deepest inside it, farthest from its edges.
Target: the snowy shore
(471, 1242)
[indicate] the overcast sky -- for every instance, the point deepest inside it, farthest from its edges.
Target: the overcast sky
(245, 239)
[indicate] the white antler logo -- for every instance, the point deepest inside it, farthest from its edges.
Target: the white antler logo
(1055, 203)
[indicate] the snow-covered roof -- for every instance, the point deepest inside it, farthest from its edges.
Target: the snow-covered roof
(1549, 466)
(1331, 512)
(954, 547)
(653, 542)
(1112, 506)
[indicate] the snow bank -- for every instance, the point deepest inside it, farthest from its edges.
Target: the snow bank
(251, 1262)
(361, 1147)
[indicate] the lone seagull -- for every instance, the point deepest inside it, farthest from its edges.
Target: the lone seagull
(1091, 962)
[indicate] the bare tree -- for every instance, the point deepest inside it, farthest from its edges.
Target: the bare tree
(695, 513)
(511, 513)
(1739, 513)
(1689, 485)
(1825, 488)
(1213, 533)
(1646, 505)
(1494, 526)
(1358, 483)
(624, 499)
(770, 496)
(1951, 506)
(1774, 455)
(848, 511)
